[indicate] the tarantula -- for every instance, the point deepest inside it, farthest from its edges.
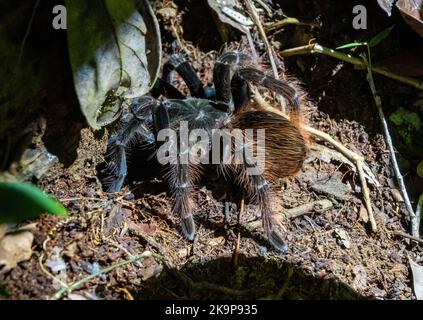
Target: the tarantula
(224, 105)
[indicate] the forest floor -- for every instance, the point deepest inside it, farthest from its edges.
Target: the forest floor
(332, 253)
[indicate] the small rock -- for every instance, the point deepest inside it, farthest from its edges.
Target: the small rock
(360, 277)
(216, 241)
(333, 187)
(263, 251)
(343, 238)
(183, 253)
(167, 12)
(15, 248)
(129, 197)
(56, 265)
(74, 296)
(115, 218)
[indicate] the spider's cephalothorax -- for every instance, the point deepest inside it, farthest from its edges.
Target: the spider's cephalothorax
(225, 105)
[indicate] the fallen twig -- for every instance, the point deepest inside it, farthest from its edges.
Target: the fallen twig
(317, 48)
(415, 221)
(317, 206)
(337, 156)
(271, 26)
(238, 237)
(358, 161)
(76, 284)
(255, 17)
(264, 6)
(407, 236)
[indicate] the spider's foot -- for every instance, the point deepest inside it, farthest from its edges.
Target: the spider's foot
(188, 227)
(276, 240)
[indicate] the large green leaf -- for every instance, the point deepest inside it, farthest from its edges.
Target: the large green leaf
(115, 51)
(20, 201)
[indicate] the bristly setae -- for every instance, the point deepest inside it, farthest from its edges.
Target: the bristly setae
(225, 105)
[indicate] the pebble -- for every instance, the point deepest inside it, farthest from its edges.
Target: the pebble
(129, 197)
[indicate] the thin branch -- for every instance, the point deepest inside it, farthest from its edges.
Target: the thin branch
(254, 15)
(316, 206)
(238, 238)
(78, 283)
(28, 30)
(265, 7)
(335, 155)
(407, 236)
(271, 26)
(415, 221)
(316, 48)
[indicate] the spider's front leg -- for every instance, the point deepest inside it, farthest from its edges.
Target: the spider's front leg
(133, 128)
(181, 173)
(230, 88)
(178, 62)
(181, 180)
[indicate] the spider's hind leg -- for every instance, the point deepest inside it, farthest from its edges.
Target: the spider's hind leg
(134, 127)
(261, 192)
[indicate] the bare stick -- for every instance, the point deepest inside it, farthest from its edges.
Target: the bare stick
(317, 206)
(415, 221)
(238, 238)
(407, 236)
(254, 15)
(316, 48)
(271, 26)
(419, 211)
(76, 284)
(265, 7)
(337, 156)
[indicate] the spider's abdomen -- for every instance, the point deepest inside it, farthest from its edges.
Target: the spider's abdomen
(285, 146)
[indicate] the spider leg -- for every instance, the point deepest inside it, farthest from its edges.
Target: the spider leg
(181, 179)
(259, 78)
(164, 88)
(134, 127)
(272, 148)
(263, 197)
(177, 62)
(229, 87)
(181, 173)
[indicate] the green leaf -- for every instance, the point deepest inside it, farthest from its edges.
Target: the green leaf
(21, 201)
(352, 45)
(115, 52)
(3, 291)
(380, 37)
(420, 171)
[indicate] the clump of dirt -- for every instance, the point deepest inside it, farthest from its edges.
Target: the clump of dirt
(331, 254)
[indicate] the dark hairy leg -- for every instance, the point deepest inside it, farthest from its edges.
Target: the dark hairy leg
(178, 63)
(134, 127)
